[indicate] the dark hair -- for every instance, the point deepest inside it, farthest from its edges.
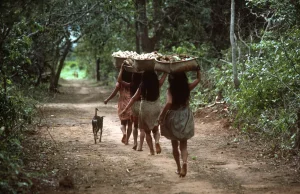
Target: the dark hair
(126, 76)
(150, 86)
(179, 88)
(135, 82)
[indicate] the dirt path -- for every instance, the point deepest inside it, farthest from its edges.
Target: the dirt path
(219, 161)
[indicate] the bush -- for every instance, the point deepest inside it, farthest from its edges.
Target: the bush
(17, 113)
(268, 98)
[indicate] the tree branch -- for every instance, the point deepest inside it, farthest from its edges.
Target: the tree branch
(82, 15)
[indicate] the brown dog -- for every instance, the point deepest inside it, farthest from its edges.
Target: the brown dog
(97, 123)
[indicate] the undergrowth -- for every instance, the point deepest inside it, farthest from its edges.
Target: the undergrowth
(18, 112)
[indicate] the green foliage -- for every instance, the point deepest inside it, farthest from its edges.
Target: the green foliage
(18, 112)
(13, 178)
(272, 82)
(268, 98)
(72, 67)
(283, 13)
(16, 50)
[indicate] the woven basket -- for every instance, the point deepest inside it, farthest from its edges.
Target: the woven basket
(180, 66)
(118, 61)
(144, 65)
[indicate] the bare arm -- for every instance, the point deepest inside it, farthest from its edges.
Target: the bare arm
(166, 108)
(162, 79)
(134, 98)
(120, 76)
(120, 73)
(113, 94)
(197, 80)
(125, 83)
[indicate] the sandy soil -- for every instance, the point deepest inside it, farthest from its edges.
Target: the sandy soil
(220, 160)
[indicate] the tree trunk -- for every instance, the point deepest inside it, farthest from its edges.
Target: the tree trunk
(98, 69)
(38, 80)
(233, 46)
(144, 43)
(52, 87)
(147, 44)
(137, 31)
(54, 82)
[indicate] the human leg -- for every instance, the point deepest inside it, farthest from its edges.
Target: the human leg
(176, 155)
(184, 156)
(123, 129)
(135, 132)
(128, 131)
(149, 141)
(156, 135)
(142, 137)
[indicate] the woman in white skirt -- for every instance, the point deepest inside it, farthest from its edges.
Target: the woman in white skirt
(176, 119)
(149, 107)
(134, 85)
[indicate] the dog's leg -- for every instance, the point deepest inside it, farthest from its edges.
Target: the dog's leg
(95, 135)
(100, 134)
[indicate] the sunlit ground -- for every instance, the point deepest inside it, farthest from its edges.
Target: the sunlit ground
(72, 70)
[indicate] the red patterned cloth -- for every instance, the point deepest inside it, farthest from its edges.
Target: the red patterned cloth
(124, 98)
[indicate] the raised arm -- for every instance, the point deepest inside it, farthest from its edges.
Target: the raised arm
(162, 79)
(134, 98)
(113, 94)
(120, 76)
(197, 80)
(166, 108)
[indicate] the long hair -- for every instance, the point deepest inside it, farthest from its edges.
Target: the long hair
(126, 76)
(135, 82)
(179, 88)
(150, 86)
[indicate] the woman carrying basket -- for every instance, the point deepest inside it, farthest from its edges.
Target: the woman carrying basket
(135, 109)
(149, 107)
(124, 97)
(176, 118)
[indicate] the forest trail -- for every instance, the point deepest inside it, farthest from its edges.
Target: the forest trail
(219, 160)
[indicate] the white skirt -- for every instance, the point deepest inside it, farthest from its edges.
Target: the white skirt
(178, 124)
(149, 113)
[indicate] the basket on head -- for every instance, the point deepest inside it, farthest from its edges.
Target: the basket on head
(177, 66)
(144, 64)
(117, 61)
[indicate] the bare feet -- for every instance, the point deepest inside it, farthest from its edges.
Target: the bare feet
(140, 148)
(134, 147)
(158, 149)
(178, 171)
(151, 152)
(124, 139)
(183, 170)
